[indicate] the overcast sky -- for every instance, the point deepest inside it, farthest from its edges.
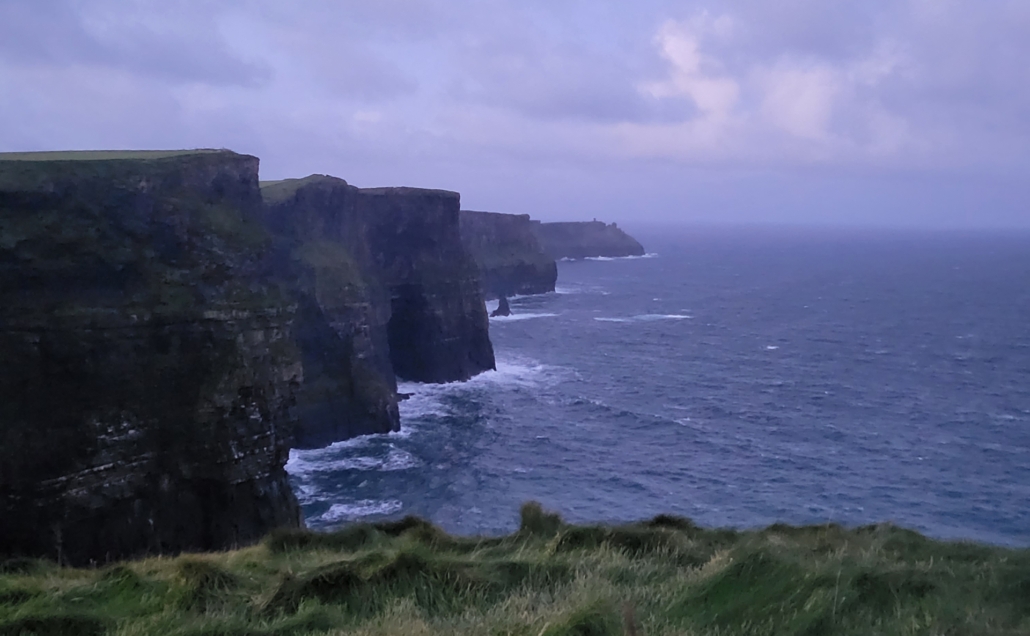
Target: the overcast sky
(902, 112)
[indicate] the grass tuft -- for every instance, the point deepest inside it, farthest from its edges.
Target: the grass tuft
(598, 619)
(203, 585)
(54, 625)
(535, 521)
(669, 576)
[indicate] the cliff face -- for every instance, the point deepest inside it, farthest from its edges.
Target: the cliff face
(510, 258)
(438, 329)
(385, 288)
(149, 372)
(344, 310)
(587, 239)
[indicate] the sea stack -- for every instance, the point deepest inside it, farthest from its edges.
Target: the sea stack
(503, 309)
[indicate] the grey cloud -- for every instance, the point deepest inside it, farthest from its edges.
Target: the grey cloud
(55, 33)
(485, 96)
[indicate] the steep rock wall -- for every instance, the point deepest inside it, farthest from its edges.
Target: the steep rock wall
(585, 239)
(344, 308)
(438, 329)
(510, 258)
(148, 369)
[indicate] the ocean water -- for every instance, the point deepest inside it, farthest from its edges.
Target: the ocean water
(737, 377)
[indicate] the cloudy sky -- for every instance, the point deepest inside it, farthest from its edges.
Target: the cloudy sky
(901, 112)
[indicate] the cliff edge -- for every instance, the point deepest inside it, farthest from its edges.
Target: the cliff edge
(586, 239)
(510, 258)
(384, 289)
(438, 329)
(149, 372)
(343, 312)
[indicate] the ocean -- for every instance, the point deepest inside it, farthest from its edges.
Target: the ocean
(739, 377)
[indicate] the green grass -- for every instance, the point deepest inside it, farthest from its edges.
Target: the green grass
(99, 155)
(664, 576)
(274, 192)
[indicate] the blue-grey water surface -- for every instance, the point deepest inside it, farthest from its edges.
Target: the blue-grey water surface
(737, 377)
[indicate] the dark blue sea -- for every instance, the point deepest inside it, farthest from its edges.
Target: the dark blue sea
(739, 377)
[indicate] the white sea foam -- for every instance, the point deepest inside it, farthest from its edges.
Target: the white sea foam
(306, 493)
(580, 289)
(620, 258)
(649, 317)
(304, 462)
(645, 318)
(772, 347)
(358, 509)
(396, 459)
(517, 317)
(431, 400)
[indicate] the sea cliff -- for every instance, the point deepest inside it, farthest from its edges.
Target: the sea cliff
(385, 289)
(324, 261)
(510, 258)
(148, 371)
(169, 329)
(438, 329)
(585, 240)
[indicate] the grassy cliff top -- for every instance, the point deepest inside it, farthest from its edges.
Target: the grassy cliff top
(664, 576)
(283, 189)
(408, 191)
(103, 155)
(496, 215)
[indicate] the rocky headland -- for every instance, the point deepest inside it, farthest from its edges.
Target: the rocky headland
(510, 258)
(585, 240)
(169, 328)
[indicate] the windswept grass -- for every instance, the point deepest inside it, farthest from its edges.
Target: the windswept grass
(663, 576)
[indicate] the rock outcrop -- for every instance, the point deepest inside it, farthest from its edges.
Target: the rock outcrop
(503, 308)
(510, 258)
(439, 328)
(149, 371)
(585, 239)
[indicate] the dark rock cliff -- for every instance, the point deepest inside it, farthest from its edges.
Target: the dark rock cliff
(510, 258)
(439, 328)
(585, 239)
(344, 310)
(385, 289)
(148, 369)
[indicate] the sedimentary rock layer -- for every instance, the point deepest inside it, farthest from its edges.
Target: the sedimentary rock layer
(438, 329)
(344, 308)
(148, 367)
(585, 239)
(510, 258)
(385, 287)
